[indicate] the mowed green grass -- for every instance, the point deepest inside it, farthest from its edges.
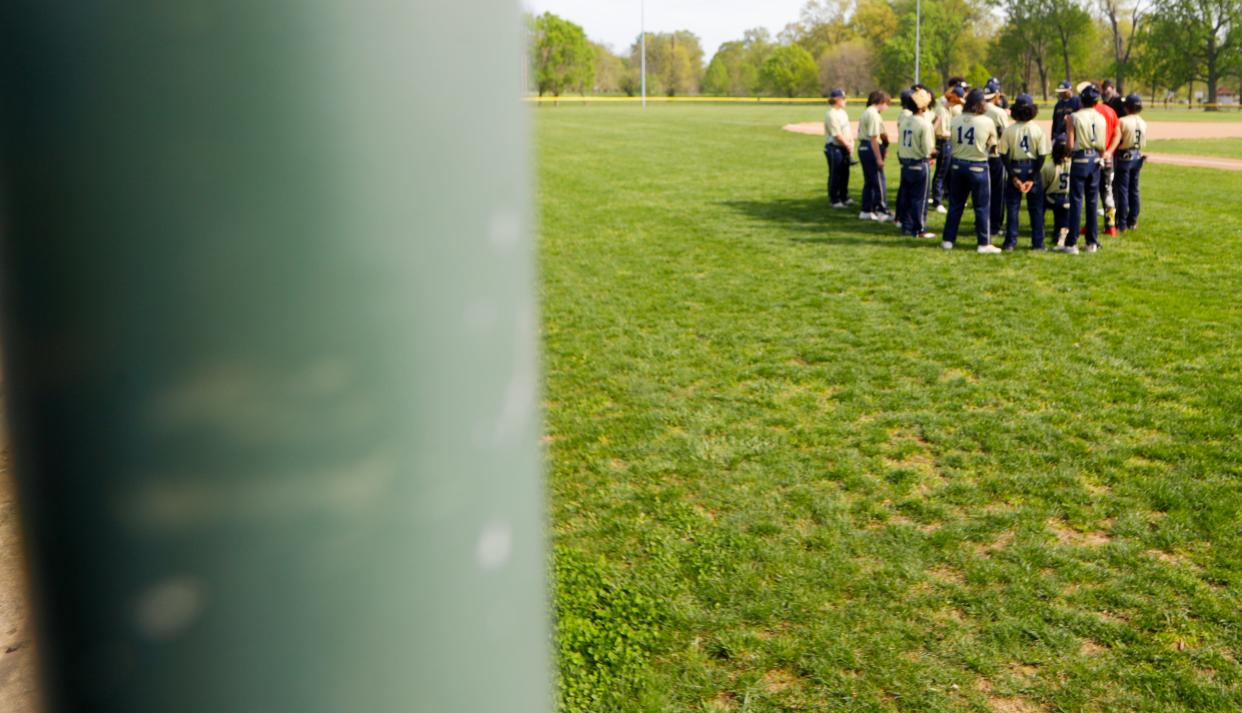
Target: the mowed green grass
(846, 471)
(1224, 148)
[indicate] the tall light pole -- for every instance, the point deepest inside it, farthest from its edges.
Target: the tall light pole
(642, 28)
(918, 37)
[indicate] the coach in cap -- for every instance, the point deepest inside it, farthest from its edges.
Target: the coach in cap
(1067, 103)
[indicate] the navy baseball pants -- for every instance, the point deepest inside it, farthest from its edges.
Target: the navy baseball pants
(996, 169)
(969, 179)
(875, 188)
(1126, 191)
(1025, 171)
(1084, 197)
(913, 197)
(939, 182)
(838, 173)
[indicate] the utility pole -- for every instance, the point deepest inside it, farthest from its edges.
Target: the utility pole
(918, 37)
(271, 355)
(643, 43)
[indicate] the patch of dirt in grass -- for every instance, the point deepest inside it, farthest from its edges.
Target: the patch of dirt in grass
(1014, 705)
(1111, 617)
(1172, 558)
(779, 680)
(724, 701)
(1067, 535)
(1097, 489)
(946, 575)
(1091, 648)
(1001, 542)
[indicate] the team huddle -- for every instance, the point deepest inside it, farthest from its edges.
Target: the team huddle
(971, 145)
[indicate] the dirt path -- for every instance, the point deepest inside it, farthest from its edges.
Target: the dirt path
(1157, 130)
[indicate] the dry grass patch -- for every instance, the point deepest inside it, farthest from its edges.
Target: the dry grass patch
(1091, 648)
(1068, 536)
(779, 680)
(1014, 705)
(724, 701)
(946, 575)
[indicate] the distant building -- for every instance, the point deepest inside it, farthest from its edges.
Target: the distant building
(1226, 97)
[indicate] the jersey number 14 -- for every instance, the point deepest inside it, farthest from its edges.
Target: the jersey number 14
(966, 138)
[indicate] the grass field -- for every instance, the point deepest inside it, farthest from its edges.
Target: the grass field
(801, 464)
(1225, 148)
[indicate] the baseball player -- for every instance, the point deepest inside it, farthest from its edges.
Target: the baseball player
(916, 144)
(1023, 148)
(1056, 180)
(1067, 103)
(1111, 140)
(1129, 163)
(838, 148)
(974, 136)
(907, 111)
(1086, 132)
(996, 168)
(872, 150)
(946, 107)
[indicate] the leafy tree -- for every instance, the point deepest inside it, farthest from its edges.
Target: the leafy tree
(875, 21)
(564, 59)
(1197, 40)
(1070, 26)
(610, 70)
(849, 66)
(674, 62)
(734, 71)
(790, 71)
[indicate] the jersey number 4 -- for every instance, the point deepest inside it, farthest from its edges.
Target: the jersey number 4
(1025, 143)
(966, 138)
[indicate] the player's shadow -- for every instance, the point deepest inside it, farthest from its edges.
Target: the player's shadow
(812, 220)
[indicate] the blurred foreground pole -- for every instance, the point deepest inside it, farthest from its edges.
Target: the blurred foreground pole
(271, 345)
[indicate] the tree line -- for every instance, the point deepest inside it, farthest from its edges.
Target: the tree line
(1157, 47)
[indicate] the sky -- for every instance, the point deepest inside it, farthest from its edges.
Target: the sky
(616, 22)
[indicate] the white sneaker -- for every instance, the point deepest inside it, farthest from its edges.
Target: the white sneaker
(989, 250)
(838, 205)
(926, 236)
(883, 217)
(1093, 248)
(941, 209)
(866, 216)
(1067, 249)
(946, 245)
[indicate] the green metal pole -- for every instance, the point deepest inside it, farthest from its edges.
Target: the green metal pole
(268, 294)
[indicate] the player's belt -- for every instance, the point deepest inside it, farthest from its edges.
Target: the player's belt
(913, 162)
(1024, 163)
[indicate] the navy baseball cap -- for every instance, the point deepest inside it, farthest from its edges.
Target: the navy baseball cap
(976, 96)
(959, 90)
(836, 94)
(1091, 92)
(993, 86)
(1065, 86)
(1024, 100)
(1134, 100)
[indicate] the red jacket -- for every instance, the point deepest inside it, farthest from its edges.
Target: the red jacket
(1110, 121)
